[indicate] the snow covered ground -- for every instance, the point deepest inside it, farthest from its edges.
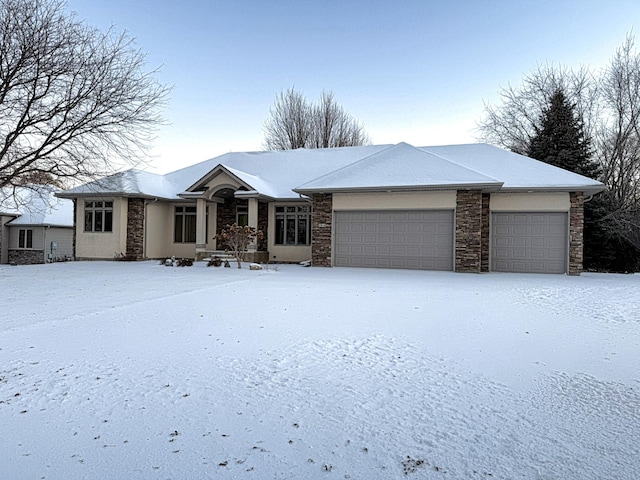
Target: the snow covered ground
(140, 371)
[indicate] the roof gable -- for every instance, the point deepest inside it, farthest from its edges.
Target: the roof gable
(246, 180)
(274, 173)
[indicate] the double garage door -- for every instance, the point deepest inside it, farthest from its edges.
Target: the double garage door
(394, 239)
(534, 242)
(529, 242)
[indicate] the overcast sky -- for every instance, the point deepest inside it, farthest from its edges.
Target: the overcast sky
(413, 71)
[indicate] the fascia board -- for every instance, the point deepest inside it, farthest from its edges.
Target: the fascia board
(493, 186)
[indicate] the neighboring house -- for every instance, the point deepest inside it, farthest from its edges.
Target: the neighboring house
(465, 208)
(5, 218)
(39, 234)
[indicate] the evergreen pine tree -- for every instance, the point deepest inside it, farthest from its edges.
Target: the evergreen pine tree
(560, 139)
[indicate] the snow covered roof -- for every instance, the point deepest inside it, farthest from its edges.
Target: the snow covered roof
(286, 174)
(400, 166)
(131, 182)
(517, 172)
(275, 173)
(54, 212)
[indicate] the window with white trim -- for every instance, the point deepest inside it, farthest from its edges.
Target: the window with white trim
(98, 216)
(293, 225)
(25, 238)
(185, 225)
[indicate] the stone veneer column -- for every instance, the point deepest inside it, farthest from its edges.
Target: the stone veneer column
(321, 226)
(135, 229)
(468, 231)
(576, 231)
(484, 240)
(263, 223)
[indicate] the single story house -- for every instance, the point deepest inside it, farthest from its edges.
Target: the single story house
(465, 208)
(41, 233)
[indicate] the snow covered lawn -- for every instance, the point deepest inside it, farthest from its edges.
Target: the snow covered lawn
(140, 371)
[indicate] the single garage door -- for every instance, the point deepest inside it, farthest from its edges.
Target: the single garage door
(394, 239)
(529, 242)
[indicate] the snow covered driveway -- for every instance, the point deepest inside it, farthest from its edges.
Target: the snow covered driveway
(140, 371)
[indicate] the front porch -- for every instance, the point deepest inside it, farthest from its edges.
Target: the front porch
(227, 206)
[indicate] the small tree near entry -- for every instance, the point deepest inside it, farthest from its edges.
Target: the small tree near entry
(237, 239)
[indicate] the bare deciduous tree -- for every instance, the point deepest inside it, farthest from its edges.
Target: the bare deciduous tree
(619, 132)
(513, 123)
(73, 100)
(289, 123)
(333, 126)
(295, 123)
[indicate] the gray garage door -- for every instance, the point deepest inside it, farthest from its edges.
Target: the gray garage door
(529, 242)
(394, 239)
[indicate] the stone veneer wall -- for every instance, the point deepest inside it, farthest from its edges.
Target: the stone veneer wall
(263, 221)
(227, 212)
(26, 257)
(135, 229)
(321, 225)
(468, 249)
(227, 216)
(576, 233)
(484, 240)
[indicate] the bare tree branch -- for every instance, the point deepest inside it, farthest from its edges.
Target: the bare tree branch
(294, 123)
(73, 100)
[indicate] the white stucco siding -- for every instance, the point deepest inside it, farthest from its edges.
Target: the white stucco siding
(159, 232)
(284, 253)
(395, 201)
(158, 229)
(529, 202)
(102, 245)
(213, 226)
(289, 253)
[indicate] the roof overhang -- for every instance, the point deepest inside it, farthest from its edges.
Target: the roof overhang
(110, 194)
(587, 190)
(30, 225)
(253, 194)
(485, 187)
